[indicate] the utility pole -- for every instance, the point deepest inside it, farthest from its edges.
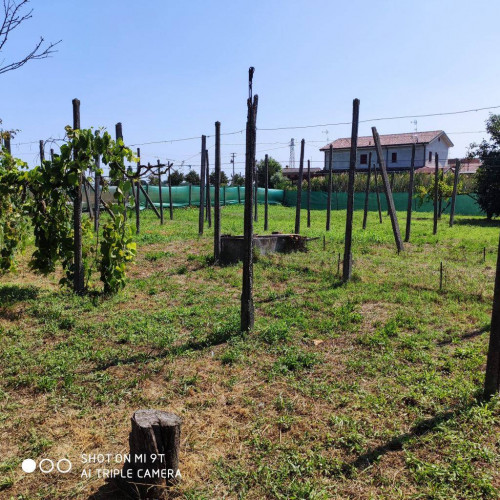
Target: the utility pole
(232, 161)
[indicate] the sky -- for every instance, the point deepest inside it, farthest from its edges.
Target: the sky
(168, 70)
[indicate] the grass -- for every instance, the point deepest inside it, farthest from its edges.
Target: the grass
(365, 390)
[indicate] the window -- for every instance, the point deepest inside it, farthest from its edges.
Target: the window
(430, 156)
(363, 159)
(394, 157)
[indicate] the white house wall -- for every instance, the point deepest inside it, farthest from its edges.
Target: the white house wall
(436, 146)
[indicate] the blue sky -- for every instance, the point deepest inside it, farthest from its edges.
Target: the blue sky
(170, 69)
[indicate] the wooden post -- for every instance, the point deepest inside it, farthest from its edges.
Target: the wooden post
(170, 201)
(209, 201)
(367, 190)
(436, 193)
(190, 189)
(118, 136)
(160, 192)
(410, 194)
(388, 192)
(299, 187)
(217, 194)
(440, 209)
(148, 200)
(42, 152)
(347, 264)
(78, 278)
(97, 204)
(266, 193)
(329, 196)
(51, 154)
(154, 453)
(492, 378)
(201, 220)
(224, 195)
(454, 195)
(308, 193)
(137, 194)
(247, 306)
(379, 206)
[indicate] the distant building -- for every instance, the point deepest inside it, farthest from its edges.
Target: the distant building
(293, 173)
(396, 149)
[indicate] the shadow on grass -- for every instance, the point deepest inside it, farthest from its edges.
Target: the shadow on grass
(466, 336)
(477, 222)
(396, 443)
(10, 294)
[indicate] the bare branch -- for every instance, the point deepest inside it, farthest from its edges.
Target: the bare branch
(12, 19)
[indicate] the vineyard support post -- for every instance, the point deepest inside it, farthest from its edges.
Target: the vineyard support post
(160, 192)
(299, 187)
(209, 199)
(388, 191)
(329, 196)
(347, 264)
(367, 190)
(201, 218)
(266, 193)
(97, 204)
(217, 194)
(379, 206)
(78, 278)
(436, 192)
(308, 193)
(137, 194)
(410, 195)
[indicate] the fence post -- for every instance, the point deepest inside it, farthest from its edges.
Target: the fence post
(492, 378)
(347, 264)
(201, 220)
(308, 193)
(454, 195)
(266, 193)
(367, 191)
(217, 194)
(329, 196)
(299, 188)
(247, 306)
(388, 191)
(78, 279)
(436, 192)
(160, 192)
(410, 194)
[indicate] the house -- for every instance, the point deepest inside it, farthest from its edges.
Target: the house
(293, 173)
(396, 149)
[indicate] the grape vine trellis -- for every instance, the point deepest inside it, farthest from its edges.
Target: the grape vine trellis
(45, 194)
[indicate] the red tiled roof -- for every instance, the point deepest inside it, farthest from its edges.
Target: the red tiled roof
(388, 140)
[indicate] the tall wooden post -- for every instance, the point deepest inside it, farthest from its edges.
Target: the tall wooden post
(329, 195)
(209, 201)
(299, 187)
(410, 194)
(137, 194)
(266, 193)
(42, 152)
(201, 219)
(78, 278)
(160, 192)
(217, 194)
(308, 193)
(379, 206)
(170, 201)
(367, 190)
(388, 191)
(247, 306)
(118, 136)
(436, 193)
(454, 195)
(492, 378)
(97, 190)
(347, 264)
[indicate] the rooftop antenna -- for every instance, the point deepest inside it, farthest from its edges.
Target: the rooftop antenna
(415, 123)
(291, 163)
(327, 138)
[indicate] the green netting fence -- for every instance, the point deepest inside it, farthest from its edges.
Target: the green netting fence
(184, 196)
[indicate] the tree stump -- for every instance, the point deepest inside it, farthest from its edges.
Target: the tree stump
(154, 453)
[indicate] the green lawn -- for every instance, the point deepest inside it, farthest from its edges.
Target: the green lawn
(365, 390)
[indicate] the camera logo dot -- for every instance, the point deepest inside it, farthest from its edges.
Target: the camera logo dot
(28, 465)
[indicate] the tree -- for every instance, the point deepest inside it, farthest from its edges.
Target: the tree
(176, 178)
(223, 178)
(273, 167)
(192, 177)
(238, 180)
(13, 17)
(488, 174)
(153, 180)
